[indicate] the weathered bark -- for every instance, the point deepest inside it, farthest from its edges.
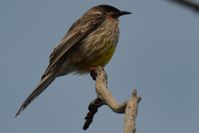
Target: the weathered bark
(104, 97)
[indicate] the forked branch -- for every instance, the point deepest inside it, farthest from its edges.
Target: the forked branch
(104, 97)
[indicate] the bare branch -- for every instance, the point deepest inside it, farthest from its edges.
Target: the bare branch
(131, 113)
(104, 96)
(188, 3)
(93, 107)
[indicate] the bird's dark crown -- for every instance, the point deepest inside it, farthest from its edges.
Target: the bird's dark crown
(108, 8)
(111, 11)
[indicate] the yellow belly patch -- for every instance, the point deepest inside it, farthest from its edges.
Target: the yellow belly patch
(100, 60)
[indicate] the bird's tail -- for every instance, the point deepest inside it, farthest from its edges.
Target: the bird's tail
(44, 83)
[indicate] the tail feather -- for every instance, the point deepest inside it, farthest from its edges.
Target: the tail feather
(44, 83)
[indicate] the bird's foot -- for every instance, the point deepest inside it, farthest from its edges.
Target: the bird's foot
(93, 74)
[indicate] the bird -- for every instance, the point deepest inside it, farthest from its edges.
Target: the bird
(90, 42)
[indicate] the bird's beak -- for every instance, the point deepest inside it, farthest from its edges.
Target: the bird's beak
(121, 13)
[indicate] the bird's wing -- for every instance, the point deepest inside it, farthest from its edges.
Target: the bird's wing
(78, 31)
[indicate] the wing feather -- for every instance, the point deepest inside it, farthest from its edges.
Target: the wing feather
(78, 31)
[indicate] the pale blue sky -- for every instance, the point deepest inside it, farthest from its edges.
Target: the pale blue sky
(158, 53)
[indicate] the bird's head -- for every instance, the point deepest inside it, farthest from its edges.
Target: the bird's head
(109, 11)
